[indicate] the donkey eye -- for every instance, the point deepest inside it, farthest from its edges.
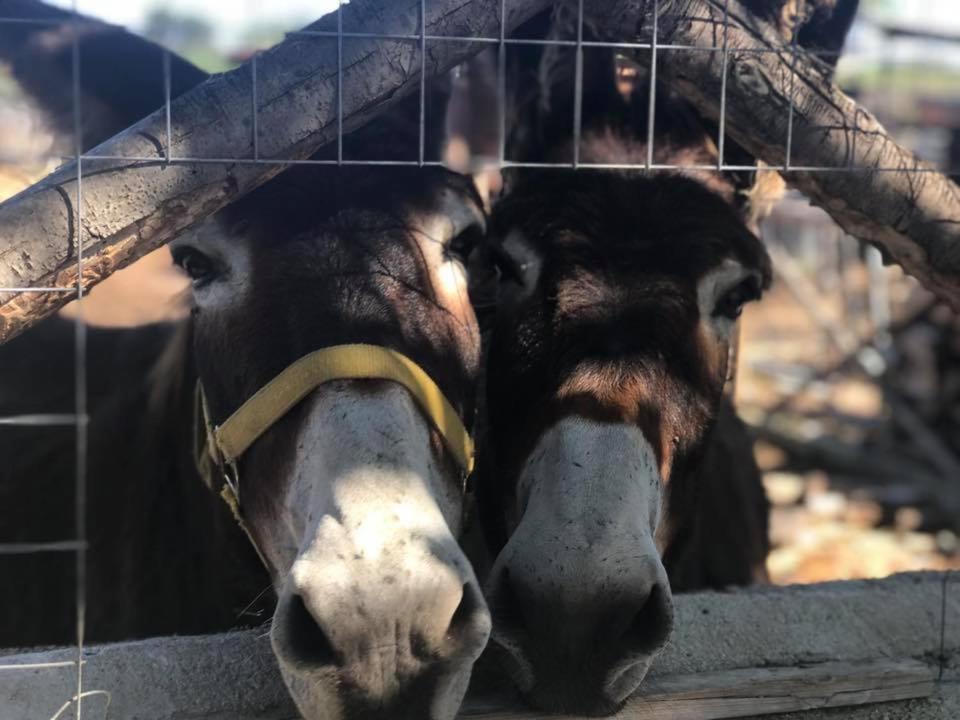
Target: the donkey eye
(731, 303)
(462, 244)
(198, 266)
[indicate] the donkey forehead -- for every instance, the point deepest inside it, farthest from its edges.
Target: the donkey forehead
(625, 254)
(598, 289)
(236, 236)
(664, 223)
(437, 206)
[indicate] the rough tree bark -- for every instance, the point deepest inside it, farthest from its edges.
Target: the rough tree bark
(130, 207)
(875, 189)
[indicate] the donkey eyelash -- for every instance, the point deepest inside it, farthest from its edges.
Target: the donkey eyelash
(731, 302)
(462, 244)
(199, 267)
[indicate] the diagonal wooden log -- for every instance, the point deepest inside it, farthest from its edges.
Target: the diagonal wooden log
(875, 189)
(130, 207)
(888, 198)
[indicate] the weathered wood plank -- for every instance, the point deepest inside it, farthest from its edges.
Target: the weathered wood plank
(764, 691)
(235, 676)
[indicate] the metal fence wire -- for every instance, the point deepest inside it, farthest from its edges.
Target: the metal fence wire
(78, 419)
(78, 544)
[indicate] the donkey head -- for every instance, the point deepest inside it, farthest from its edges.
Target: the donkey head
(606, 366)
(352, 497)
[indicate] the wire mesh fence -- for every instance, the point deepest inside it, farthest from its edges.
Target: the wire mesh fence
(75, 544)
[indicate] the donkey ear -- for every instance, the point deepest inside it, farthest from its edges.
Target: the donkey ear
(395, 134)
(541, 82)
(819, 25)
(472, 139)
(39, 52)
(827, 29)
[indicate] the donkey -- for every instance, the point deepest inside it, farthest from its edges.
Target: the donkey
(351, 489)
(354, 497)
(606, 365)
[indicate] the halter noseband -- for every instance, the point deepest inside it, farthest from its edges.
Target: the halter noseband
(219, 447)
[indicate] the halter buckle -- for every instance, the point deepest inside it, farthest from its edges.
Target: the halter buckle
(231, 478)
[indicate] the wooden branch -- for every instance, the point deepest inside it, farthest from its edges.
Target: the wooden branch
(807, 295)
(877, 464)
(764, 691)
(909, 211)
(920, 33)
(842, 458)
(131, 207)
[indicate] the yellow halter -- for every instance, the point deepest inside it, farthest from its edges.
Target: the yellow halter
(221, 446)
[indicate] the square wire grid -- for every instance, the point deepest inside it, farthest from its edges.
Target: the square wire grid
(79, 418)
(78, 544)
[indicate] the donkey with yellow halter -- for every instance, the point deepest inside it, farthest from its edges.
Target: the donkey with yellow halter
(221, 446)
(337, 355)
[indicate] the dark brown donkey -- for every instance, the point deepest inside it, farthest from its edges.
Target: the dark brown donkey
(606, 366)
(353, 496)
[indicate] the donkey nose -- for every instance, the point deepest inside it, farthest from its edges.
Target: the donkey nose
(646, 633)
(305, 645)
(373, 637)
(649, 627)
(577, 651)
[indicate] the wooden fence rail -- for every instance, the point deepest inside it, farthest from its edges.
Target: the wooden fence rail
(733, 654)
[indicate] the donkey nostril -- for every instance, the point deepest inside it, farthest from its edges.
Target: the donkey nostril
(306, 642)
(651, 626)
(470, 624)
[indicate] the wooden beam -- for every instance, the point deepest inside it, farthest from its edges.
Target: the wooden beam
(764, 691)
(778, 97)
(131, 206)
(780, 630)
(876, 190)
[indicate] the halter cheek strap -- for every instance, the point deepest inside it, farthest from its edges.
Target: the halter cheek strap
(220, 447)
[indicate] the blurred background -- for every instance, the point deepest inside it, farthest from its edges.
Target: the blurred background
(849, 372)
